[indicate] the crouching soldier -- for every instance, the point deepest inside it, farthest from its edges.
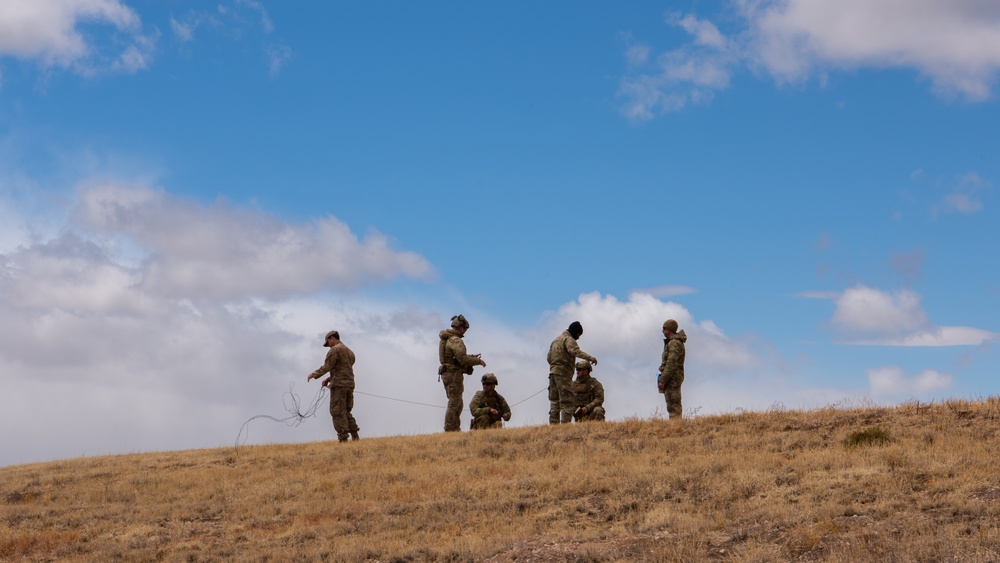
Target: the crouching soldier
(489, 408)
(589, 394)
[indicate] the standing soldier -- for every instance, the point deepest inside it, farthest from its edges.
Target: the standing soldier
(589, 394)
(340, 365)
(455, 364)
(489, 408)
(672, 368)
(563, 353)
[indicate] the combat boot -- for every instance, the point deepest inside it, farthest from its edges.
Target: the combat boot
(354, 435)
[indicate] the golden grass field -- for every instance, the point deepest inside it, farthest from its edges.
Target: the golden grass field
(918, 482)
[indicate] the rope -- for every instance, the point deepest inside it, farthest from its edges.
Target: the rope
(293, 405)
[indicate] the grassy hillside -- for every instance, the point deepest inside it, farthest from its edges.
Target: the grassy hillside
(920, 482)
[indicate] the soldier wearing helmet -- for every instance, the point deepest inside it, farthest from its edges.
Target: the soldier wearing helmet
(489, 408)
(456, 363)
(671, 374)
(589, 394)
(563, 352)
(340, 365)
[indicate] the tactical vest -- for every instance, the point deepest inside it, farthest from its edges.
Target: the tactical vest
(584, 393)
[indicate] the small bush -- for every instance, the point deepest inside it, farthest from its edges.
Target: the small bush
(876, 436)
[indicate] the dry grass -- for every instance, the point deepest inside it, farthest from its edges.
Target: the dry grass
(914, 483)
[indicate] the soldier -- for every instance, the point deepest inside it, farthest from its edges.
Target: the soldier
(340, 365)
(489, 408)
(455, 365)
(589, 394)
(563, 352)
(672, 368)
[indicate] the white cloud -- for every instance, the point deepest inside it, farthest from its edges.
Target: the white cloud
(954, 44)
(964, 195)
(869, 316)
(868, 310)
(890, 381)
(277, 56)
(668, 290)
(221, 252)
(49, 31)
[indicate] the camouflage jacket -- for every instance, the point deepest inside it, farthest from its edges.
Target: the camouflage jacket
(563, 354)
(672, 360)
(452, 354)
(482, 403)
(589, 393)
(340, 365)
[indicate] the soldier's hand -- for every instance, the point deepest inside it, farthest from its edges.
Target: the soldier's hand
(494, 411)
(506, 416)
(326, 382)
(482, 362)
(595, 361)
(311, 376)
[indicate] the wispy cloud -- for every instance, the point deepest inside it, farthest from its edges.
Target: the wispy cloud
(964, 195)
(48, 31)
(954, 44)
(890, 381)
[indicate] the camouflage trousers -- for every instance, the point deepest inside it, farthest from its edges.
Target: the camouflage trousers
(553, 399)
(566, 399)
(454, 387)
(672, 394)
(596, 414)
(486, 421)
(341, 405)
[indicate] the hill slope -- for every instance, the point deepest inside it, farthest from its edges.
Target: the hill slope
(915, 483)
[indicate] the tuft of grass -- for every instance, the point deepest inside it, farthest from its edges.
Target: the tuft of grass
(876, 436)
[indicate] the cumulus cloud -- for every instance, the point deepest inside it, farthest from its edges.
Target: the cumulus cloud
(866, 315)
(956, 45)
(890, 381)
(964, 196)
(49, 31)
(222, 252)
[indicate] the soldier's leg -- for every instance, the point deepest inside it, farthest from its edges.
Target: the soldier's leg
(352, 424)
(480, 422)
(567, 399)
(454, 385)
(338, 410)
(672, 394)
(597, 414)
(553, 400)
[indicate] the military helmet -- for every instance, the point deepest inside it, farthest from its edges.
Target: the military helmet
(670, 325)
(459, 321)
(489, 378)
(585, 365)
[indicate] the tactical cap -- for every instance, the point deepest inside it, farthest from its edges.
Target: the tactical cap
(585, 365)
(670, 325)
(326, 339)
(459, 321)
(489, 378)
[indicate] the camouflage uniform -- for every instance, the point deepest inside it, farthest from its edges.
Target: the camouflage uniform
(563, 353)
(340, 365)
(672, 371)
(590, 394)
(455, 364)
(480, 407)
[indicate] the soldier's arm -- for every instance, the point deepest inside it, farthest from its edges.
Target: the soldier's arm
(457, 347)
(574, 349)
(672, 363)
(598, 397)
(327, 366)
(476, 406)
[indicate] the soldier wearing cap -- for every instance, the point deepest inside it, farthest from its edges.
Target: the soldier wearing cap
(340, 365)
(456, 363)
(671, 374)
(589, 394)
(489, 408)
(563, 353)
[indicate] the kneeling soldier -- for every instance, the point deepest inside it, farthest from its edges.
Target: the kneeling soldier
(589, 394)
(489, 408)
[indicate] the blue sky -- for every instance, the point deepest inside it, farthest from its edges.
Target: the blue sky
(192, 194)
